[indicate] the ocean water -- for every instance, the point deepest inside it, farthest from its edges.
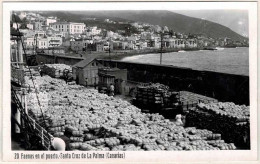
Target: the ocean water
(227, 60)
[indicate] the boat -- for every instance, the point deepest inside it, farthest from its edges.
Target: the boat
(181, 51)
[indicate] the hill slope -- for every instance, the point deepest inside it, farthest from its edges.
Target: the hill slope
(177, 22)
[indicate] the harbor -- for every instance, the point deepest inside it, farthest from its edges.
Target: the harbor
(76, 87)
(99, 121)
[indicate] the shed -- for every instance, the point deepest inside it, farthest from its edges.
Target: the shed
(113, 76)
(85, 72)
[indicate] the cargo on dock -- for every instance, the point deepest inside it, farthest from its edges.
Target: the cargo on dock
(100, 122)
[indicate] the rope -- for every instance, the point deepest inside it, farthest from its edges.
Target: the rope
(29, 70)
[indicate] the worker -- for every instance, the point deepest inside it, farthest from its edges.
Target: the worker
(66, 78)
(86, 80)
(40, 70)
(112, 89)
(95, 85)
(178, 120)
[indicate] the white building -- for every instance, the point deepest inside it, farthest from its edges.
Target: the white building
(42, 43)
(29, 42)
(95, 31)
(70, 27)
(15, 25)
(29, 26)
(50, 20)
(40, 34)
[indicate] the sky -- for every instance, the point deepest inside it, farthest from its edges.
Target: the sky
(236, 20)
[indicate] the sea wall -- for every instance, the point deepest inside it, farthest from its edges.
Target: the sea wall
(224, 87)
(51, 59)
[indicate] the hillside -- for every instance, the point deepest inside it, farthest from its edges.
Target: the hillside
(177, 22)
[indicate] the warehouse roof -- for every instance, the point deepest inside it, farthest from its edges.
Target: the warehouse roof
(85, 62)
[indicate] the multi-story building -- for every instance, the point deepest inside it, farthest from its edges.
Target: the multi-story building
(37, 26)
(191, 43)
(70, 27)
(40, 43)
(95, 31)
(77, 44)
(29, 42)
(54, 41)
(40, 34)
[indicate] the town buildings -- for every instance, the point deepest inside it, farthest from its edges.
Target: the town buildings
(76, 37)
(70, 27)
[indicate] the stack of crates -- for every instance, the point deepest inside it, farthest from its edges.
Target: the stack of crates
(149, 96)
(189, 99)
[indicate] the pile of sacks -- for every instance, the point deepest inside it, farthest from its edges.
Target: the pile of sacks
(101, 122)
(228, 119)
(55, 70)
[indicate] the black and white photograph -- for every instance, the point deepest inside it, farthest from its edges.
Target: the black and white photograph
(99, 83)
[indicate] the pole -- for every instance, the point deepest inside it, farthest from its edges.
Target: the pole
(161, 48)
(109, 53)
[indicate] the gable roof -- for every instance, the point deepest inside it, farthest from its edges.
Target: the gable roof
(86, 61)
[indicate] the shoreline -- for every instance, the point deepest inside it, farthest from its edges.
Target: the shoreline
(119, 55)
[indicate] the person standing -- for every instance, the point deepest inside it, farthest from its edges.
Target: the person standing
(86, 81)
(40, 70)
(112, 89)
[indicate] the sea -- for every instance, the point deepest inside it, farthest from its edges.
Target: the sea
(224, 60)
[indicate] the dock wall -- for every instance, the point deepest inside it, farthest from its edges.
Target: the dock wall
(51, 59)
(224, 87)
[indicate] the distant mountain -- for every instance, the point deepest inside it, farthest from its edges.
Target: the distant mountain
(177, 22)
(237, 20)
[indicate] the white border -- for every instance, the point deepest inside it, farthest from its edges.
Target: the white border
(165, 156)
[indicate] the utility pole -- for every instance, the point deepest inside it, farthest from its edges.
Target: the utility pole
(161, 48)
(109, 52)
